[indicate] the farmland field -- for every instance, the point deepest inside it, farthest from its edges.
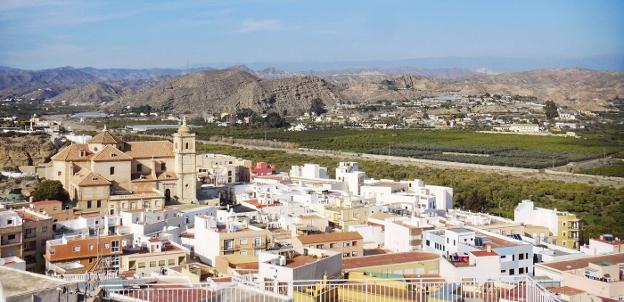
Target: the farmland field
(460, 146)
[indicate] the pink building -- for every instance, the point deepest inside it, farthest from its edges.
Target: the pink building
(261, 169)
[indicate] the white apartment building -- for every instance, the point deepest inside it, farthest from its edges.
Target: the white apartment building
(310, 171)
(516, 257)
(404, 235)
(278, 269)
(214, 239)
(349, 173)
(605, 244)
(478, 266)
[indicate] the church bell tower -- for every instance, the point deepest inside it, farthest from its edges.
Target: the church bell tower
(185, 169)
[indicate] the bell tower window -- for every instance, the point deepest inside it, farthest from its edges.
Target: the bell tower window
(186, 146)
(112, 170)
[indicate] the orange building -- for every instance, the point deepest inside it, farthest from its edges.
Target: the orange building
(54, 209)
(81, 254)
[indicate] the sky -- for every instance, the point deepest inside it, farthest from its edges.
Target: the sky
(36, 34)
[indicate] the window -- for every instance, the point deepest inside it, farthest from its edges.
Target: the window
(171, 262)
(9, 221)
(115, 244)
(319, 246)
(354, 254)
(513, 257)
(152, 263)
(228, 244)
(353, 243)
(526, 255)
(186, 145)
(99, 203)
(141, 265)
(162, 263)
(58, 173)
(345, 255)
(91, 247)
(503, 271)
(243, 241)
(91, 260)
(332, 245)
(257, 242)
(30, 233)
(44, 229)
(107, 245)
(428, 243)
(76, 248)
(511, 272)
(243, 253)
(139, 168)
(112, 171)
(52, 250)
(521, 270)
(454, 242)
(88, 204)
(346, 244)
(521, 256)
(163, 167)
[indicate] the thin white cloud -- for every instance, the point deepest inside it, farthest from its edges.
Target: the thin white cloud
(255, 25)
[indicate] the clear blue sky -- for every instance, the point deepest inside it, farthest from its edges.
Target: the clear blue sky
(136, 34)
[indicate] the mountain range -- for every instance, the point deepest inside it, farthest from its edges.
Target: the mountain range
(271, 89)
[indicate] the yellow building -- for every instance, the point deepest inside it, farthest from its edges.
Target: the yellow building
(232, 238)
(107, 174)
(568, 230)
(343, 217)
(153, 257)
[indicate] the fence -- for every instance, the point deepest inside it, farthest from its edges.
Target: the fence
(351, 290)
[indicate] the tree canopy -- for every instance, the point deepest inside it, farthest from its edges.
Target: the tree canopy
(551, 110)
(317, 107)
(50, 189)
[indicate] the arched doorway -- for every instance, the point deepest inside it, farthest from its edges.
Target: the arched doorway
(167, 195)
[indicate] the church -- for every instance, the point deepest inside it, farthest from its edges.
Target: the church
(108, 175)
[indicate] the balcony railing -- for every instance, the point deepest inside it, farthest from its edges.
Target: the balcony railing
(353, 290)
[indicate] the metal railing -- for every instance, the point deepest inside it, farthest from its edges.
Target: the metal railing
(352, 290)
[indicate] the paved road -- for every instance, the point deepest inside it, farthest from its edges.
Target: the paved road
(617, 182)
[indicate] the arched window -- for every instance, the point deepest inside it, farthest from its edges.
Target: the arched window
(112, 170)
(186, 145)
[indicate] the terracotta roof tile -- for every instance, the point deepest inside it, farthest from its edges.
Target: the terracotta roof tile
(73, 153)
(149, 149)
(329, 237)
(584, 262)
(483, 253)
(386, 259)
(110, 153)
(105, 138)
(92, 179)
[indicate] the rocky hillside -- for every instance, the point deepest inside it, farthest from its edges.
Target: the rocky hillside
(577, 88)
(23, 150)
(91, 94)
(275, 90)
(228, 89)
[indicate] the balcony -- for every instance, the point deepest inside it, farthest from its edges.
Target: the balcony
(369, 290)
(5, 242)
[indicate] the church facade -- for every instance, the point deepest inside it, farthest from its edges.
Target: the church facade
(108, 175)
